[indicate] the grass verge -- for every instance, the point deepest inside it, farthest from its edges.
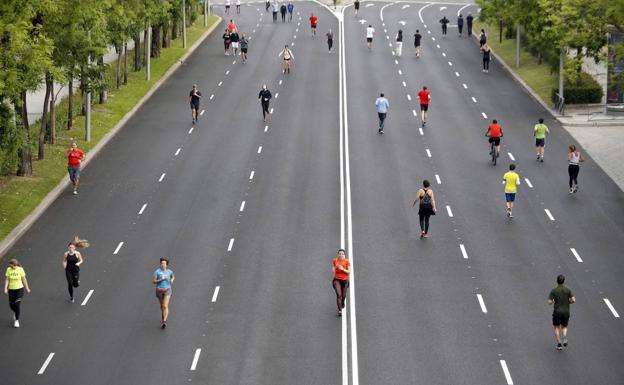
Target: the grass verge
(20, 195)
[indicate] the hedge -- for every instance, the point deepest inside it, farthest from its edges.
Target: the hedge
(585, 90)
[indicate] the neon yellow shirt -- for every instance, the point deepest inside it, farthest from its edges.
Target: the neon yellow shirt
(15, 275)
(512, 180)
(540, 130)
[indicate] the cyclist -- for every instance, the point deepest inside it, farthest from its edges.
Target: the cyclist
(495, 133)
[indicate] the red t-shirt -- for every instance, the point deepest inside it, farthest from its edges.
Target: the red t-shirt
(339, 274)
(313, 20)
(74, 157)
(424, 96)
(496, 131)
(231, 27)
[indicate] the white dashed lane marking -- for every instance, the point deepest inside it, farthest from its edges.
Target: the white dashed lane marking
(191, 130)
(482, 303)
(142, 208)
(242, 206)
(202, 112)
(511, 156)
(271, 111)
(506, 372)
(528, 182)
(473, 99)
(195, 359)
(227, 72)
(215, 294)
(89, 294)
(443, 54)
(428, 152)
(251, 175)
(45, 364)
(162, 177)
(276, 95)
(448, 210)
(414, 113)
(438, 179)
(576, 254)
(463, 251)
(178, 151)
(456, 73)
(484, 115)
(219, 85)
(231, 244)
(211, 96)
(437, 45)
(550, 216)
(409, 97)
(400, 72)
(118, 248)
(420, 131)
(259, 149)
(464, 85)
(610, 306)
(404, 84)
(266, 128)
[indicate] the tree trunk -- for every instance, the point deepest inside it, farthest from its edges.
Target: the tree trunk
(70, 102)
(165, 35)
(137, 53)
(125, 72)
(119, 52)
(174, 29)
(52, 115)
(25, 166)
(103, 92)
(44, 117)
(155, 46)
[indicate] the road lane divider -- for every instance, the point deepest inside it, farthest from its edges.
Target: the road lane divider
(484, 115)
(465, 86)
(142, 208)
(482, 303)
(231, 244)
(177, 151)
(251, 175)
(463, 250)
(259, 149)
(428, 152)
(215, 294)
(576, 254)
(89, 294)
(503, 365)
(190, 131)
(242, 206)
(118, 248)
(162, 177)
(550, 216)
(45, 364)
(511, 156)
(610, 306)
(473, 99)
(449, 211)
(528, 182)
(420, 131)
(438, 179)
(195, 359)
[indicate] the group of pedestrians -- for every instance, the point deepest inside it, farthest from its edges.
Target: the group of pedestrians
(235, 44)
(282, 9)
(444, 21)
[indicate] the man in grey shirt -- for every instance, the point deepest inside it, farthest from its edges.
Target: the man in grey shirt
(382, 105)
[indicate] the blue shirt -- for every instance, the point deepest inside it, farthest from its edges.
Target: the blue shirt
(160, 274)
(382, 105)
(290, 7)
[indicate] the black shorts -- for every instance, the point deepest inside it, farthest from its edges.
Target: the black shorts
(560, 320)
(357, 5)
(539, 142)
(369, 39)
(195, 106)
(244, 50)
(424, 107)
(496, 141)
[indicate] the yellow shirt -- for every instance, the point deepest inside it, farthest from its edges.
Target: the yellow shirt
(512, 180)
(15, 275)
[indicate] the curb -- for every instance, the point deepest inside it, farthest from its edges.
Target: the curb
(27, 222)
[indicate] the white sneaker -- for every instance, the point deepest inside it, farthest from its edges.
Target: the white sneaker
(16, 324)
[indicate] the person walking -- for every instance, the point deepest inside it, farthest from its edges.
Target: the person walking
(370, 32)
(426, 208)
(232, 26)
(265, 98)
(460, 24)
(72, 259)
(291, 8)
(486, 51)
(444, 21)
(227, 40)
(313, 24)
(574, 159)
(511, 180)
(382, 105)
(235, 42)
(74, 160)
(163, 279)
(330, 40)
(340, 282)
(561, 297)
(288, 57)
(399, 43)
(356, 6)
(482, 38)
(244, 44)
(539, 132)
(283, 10)
(417, 38)
(194, 97)
(227, 6)
(424, 97)
(275, 8)
(267, 5)
(469, 20)
(238, 4)
(14, 284)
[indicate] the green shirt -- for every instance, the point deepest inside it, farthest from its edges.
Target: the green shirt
(15, 275)
(561, 295)
(540, 131)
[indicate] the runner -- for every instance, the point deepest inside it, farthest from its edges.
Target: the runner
(231, 26)
(511, 180)
(469, 19)
(482, 38)
(265, 98)
(283, 10)
(399, 43)
(14, 285)
(227, 6)
(243, 46)
(574, 159)
(235, 42)
(194, 97)
(72, 259)
(356, 5)
(267, 5)
(289, 58)
(163, 279)
(313, 22)
(370, 32)
(561, 297)
(444, 21)
(291, 8)
(540, 131)
(460, 24)
(341, 279)
(495, 133)
(426, 208)
(417, 38)
(74, 159)
(238, 4)
(485, 49)
(425, 97)
(330, 40)
(226, 41)
(275, 8)
(382, 105)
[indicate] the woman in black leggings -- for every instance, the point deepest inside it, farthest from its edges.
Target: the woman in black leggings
(72, 259)
(574, 158)
(426, 208)
(14, 286)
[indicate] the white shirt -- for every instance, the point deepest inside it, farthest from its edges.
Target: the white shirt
(370, 31)
(228, 2)
(237, 2)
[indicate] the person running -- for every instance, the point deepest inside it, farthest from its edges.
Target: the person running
(444, 21)
(227, 6)
(244, 44)
(291, 8)
(227, 40)
(511, 180)
(425, 97)
(14, 284)
(235, 42)
(163, 279)
(495, 133)
(341, 279)
(469, 20)
(482, 38)
(356, 5)
(486, 51)
(313, 23)
(382, 105)
(265, 98)
(460, 24)
(267, 5)
(288, 59)
(426, 208)
(74, 159)
(561, 297)
(370, 32)
(72, 259)
(399, 43)
(540, 131)
(238, 4)
(231, 26)
(194, 97)
(574, 159)
(417, 38)
(275, 8)
(330, 40)
(283, 10)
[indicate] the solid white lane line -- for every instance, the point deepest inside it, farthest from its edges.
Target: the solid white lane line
(45, 364)
(259, 149)
(211, 96)
(550, 216)
(473, 99)
(415, 113)
(219, 85)
(202, 112)
(242, 207)
(178, 151)
(404, 84)
(191, 130)
(576, 254)
(420, 13)
(511, 156)
(251, 176)
(142, 208)
(428, 152)
(400, 72)
(438, 179)
(610, 306)
(506, 371)
(409, 97)
(162, 177)
(456, 73)
(89, 294)
(482, 303)
(461, 9)
(484, 115)
(420, 131)
(463, 251)
(118, 248)
(464, 85)
(227, 72)
(231, 244)
(195, 359)
(215, 294)
(266, 128)
(528, 182)
(448, 210)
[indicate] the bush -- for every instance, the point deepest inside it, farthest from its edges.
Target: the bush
(584, 90)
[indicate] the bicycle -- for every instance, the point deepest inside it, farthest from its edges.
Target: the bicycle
(493, 152)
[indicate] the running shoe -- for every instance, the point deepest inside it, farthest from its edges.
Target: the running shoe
(559, 347)
(538, 158)
(71, 299)
(541, 159)
(339, 313)
(425, 235)
(16, 324)
(163, 324)
(565, 341)
(571, 190)
(381, 132)
(422, 234)
(575, 189)
(75, 192)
